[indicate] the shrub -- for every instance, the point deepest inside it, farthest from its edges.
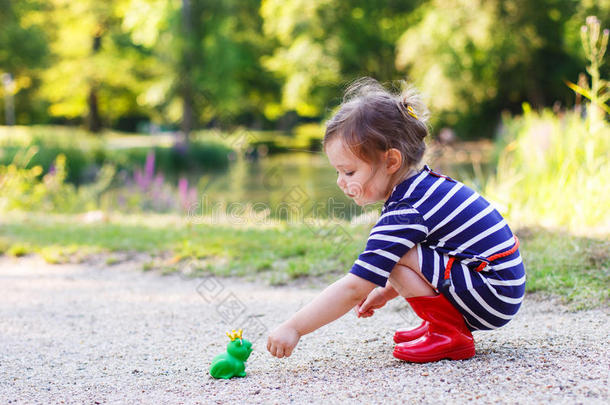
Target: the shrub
(86, 154)
(27, 189)
(553, 171)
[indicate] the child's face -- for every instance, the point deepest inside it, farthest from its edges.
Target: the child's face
(359, 180)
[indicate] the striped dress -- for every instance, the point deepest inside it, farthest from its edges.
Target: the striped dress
(442, 219)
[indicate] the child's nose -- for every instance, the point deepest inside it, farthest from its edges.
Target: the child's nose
(340, 182)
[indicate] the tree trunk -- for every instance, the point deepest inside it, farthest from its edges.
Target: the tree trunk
(94, 121)
(188, 114)
(9, 101)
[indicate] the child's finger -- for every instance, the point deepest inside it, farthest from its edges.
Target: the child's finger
(364, 307)
(359, 305)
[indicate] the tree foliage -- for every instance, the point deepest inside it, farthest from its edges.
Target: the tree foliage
(254, 62)
(23, 49)
(92, 56)
(476, 58)
(322, 44)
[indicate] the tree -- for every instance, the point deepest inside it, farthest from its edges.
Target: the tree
(305, 59)
(321, 45)
(476, 58)
(23, 47)
(207, 53)
(96, 71)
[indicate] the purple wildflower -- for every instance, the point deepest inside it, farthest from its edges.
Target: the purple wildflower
(150, 165)
(187, 195)
(183, 185)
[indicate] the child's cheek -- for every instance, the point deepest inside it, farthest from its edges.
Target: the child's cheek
(371, 194)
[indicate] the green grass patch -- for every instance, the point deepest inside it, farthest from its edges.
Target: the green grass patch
(272, 251)
(4, 245)
(19, 249)
(573, 268)
(57, 254)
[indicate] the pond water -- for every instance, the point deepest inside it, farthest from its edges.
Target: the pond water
(289, 186)
(294, 185)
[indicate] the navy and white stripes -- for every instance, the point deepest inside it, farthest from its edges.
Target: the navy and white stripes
(443, 218)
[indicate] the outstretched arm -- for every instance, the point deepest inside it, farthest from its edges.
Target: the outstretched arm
(332, 303)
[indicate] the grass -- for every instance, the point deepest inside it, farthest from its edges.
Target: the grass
(276, 252)
(573, 268)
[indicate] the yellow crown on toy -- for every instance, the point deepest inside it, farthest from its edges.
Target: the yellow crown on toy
(234, 335)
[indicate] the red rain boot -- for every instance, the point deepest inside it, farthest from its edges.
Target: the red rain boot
(447, 335)
(406, 335)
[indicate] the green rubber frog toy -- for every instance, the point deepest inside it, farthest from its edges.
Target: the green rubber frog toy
(233, 362)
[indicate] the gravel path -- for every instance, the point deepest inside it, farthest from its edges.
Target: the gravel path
(97, 334)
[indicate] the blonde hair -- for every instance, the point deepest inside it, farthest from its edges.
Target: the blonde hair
(372, 119)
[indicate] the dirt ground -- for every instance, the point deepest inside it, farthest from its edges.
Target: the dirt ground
(86, 333)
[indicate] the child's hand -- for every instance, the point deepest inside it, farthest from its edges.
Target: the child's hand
(375, 300)
(282, 340)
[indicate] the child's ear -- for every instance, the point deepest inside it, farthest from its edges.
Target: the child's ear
(393, 160)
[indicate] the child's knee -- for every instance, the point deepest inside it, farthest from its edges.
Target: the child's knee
(409, 282)
(410, 260)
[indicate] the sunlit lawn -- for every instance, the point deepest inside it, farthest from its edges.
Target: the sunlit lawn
(574, 268)
(276, 252)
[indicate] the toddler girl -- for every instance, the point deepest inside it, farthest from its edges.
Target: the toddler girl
(437, 243)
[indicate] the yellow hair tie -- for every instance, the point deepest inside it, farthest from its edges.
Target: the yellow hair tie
(411, 112)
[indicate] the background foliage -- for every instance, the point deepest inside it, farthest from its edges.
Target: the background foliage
(270, 64)
(245, 80)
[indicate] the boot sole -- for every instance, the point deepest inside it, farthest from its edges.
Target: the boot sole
(461, 354)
